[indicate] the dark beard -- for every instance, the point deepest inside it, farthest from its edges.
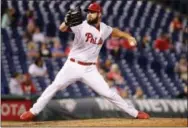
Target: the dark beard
(92, 22)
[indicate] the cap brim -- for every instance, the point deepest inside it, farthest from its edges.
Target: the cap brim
(86, 10)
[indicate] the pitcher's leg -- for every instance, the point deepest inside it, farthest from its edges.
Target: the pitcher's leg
(98, 84)
(46, 97)
(62, 80)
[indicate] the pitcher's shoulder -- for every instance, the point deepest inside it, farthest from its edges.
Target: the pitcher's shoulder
(104, 24)
(84, 22)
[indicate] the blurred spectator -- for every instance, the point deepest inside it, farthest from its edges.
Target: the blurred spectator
(110, 82)
(184, 94)
(32, 49)
(15, 84)
(181, 68)
(45, 51)
(175, 27)
(6, 19)
(38, 68)
(107, 65)
(115, 74)
(57, 50)
(27, 17)
(9, 18)
(175, 24)
(31, 27)
(138, 94)
(28, 35)
(122, 91)
(163, 43)
(27, 85)
(113, 47)
(145, 42)
(38, 36)
(126, 45)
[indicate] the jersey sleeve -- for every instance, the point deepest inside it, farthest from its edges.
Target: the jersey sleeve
(107, 30)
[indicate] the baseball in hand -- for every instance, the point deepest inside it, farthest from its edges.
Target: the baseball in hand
(132, 41)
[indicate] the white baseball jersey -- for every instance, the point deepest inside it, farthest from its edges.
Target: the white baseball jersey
(85, 47)
(88, 41)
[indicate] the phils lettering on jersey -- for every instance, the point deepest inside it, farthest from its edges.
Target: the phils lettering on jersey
(88, 41)
(91, 39)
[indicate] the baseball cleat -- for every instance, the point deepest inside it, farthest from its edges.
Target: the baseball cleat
(142, 115)
(27, 116)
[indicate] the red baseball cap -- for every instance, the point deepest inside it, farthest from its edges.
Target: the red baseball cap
(94, 7)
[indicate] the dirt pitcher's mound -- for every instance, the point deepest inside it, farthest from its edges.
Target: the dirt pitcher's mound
(115, 122)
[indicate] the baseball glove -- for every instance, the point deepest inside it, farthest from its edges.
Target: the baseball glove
(73, 17)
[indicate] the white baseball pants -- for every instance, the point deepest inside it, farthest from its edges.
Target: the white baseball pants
(72, 72)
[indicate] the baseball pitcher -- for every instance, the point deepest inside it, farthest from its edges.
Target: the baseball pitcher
(81, 63)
